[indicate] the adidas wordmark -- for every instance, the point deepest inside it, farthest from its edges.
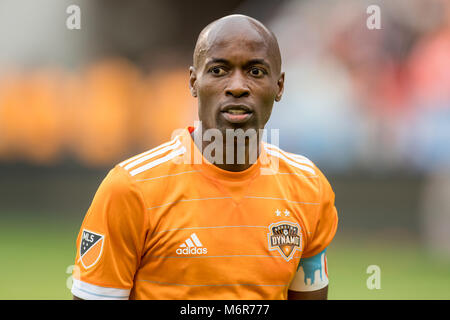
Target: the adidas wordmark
(192, 245)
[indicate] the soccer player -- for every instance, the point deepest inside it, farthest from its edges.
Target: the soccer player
(164, 225)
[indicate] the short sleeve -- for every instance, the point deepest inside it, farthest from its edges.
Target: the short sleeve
(326, 223)
(110, 241)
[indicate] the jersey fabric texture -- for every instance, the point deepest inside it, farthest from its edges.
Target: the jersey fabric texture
(164, 225)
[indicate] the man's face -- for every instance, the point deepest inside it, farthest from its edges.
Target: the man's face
(236, 81)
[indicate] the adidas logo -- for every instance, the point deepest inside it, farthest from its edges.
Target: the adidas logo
(192, 245)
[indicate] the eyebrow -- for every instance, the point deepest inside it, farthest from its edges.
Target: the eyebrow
(249, 63)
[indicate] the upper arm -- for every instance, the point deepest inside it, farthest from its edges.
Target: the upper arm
(311, 278)
(110, 241)
(324, 224)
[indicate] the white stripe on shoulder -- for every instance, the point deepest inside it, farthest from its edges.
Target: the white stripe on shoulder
(299, 157)
(156, 162)
(87, 291)
(296, 157)
(152, 155)
(148, 152)
(289, 161)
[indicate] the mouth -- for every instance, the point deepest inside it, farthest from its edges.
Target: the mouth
(236, 113)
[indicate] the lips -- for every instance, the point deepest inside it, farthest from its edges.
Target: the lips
(236, 113)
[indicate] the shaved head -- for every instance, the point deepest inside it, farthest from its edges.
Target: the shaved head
(236, 74)
(226, 28)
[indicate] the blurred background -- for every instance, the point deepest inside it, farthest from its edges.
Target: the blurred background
(370, 107)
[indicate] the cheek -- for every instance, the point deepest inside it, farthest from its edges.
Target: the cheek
(266, 91)
(207, 94)
(272, 91)
(266, 96)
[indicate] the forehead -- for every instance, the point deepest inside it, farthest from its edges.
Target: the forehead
(235, 44)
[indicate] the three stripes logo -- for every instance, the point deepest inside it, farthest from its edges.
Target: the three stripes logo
(192, 245)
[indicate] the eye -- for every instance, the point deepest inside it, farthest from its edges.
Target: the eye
(217, 71)
(257, 72)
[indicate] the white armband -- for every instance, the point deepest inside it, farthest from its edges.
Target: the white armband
(87, 291)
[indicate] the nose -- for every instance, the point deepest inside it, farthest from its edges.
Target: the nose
(237, 86)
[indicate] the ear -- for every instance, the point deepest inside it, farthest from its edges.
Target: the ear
(193, 81)
(280, 85)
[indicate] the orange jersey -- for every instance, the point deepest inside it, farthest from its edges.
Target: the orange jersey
(162, 227)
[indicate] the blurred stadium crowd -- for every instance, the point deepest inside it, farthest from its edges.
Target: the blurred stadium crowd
(98, 116)
(371, 99)
(354, 99)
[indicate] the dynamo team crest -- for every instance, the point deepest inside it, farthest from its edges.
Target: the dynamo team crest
(285, 237)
